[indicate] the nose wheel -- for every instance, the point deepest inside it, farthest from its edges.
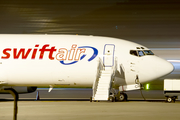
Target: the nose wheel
(122, 97)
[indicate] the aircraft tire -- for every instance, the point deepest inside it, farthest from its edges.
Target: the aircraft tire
(123, 97)
(169, 99)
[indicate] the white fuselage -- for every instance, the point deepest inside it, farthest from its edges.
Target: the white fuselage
(68, 60)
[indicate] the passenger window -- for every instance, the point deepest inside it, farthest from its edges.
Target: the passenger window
(141, 53)
(133, 52)
(148, 52)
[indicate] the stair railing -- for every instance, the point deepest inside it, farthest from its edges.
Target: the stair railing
(113, 72)
(100, 67)
(114, 68)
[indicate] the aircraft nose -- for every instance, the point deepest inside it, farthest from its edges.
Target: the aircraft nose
(163, 67)
(156, 68)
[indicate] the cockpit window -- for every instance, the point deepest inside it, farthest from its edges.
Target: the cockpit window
(141, 53)
(133, 52)
(138, 48)
(148, 52)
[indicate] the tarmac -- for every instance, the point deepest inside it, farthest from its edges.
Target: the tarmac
(85, 110)
(82, 94)
(73, 104)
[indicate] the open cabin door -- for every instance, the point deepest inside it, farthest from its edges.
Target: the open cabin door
(108, 55)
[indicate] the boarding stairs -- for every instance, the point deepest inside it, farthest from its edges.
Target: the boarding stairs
(102, 92)
(102, 84)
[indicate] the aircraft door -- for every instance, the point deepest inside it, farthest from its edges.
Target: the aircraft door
(134, 67)
(108, 55)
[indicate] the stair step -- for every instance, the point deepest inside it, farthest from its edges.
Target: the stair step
(103, 96)
(105, 72)
(103, 99)
(101, 93)
(103, 85)
(101, 79)
(105, 77)
(103, 82)
(102, 88)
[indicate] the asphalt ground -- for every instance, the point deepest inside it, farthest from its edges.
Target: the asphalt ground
(78, 94)
(73, 104)
(85, 110)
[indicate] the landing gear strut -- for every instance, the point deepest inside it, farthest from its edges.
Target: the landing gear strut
(16, 97)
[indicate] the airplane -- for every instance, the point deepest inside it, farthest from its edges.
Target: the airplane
(109, 65)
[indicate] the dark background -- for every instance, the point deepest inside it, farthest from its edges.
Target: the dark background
(153, 23)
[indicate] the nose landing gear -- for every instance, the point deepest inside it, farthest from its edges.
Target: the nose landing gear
(121, 96)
